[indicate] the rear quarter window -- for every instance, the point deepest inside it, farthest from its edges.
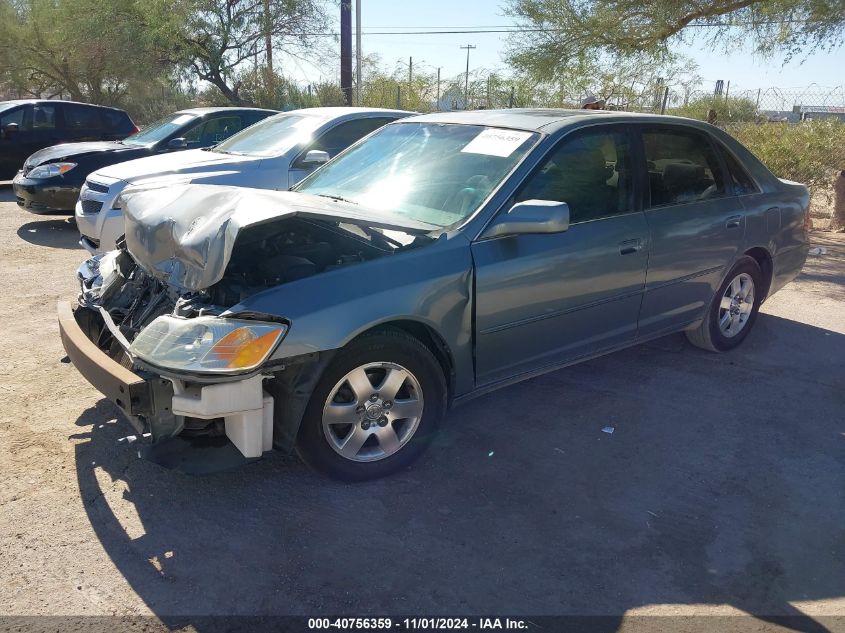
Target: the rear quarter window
(80, 117)
(742, 182)
(116, 121)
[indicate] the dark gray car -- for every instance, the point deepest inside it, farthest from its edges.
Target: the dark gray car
(443, 256)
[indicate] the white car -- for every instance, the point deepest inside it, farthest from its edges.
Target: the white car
(275, 153)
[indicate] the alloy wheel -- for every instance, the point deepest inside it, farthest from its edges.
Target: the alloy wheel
(372, 411)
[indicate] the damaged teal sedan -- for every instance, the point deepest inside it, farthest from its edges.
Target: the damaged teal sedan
(441, 257)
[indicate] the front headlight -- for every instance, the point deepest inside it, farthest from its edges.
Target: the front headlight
(207, 344)
(50, 170)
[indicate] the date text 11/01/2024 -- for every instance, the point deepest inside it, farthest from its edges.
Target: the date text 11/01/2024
(417, 624)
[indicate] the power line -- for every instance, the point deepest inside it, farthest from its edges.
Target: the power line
(516, 29)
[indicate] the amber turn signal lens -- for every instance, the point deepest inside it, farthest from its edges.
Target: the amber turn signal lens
(243, 348)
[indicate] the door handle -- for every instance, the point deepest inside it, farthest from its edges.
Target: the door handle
(627, 247)
(733, 222)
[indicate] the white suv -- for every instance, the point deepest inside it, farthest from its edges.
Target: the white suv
(275, 153)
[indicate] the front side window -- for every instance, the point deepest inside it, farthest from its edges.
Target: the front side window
(15, 116)
(272, 136)
(682, 167)
(160, 130)
(591, 173)
(430, 173)
(342, 136)
(213, 131)
(44, 117)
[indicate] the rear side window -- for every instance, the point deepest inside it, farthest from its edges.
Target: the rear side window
(682, 167)
(742, 182)
(591, 173)
(80, 117)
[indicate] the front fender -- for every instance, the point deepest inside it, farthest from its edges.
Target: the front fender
(430, 285)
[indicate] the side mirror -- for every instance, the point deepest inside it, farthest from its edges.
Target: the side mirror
(177, 143)
(314, 158)
(531, 216)
(9, 130)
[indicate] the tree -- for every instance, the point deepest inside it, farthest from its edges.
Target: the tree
(573, 33)
(86, 49)
(214, 39)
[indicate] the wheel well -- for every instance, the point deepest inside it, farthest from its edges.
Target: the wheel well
(428, 337)
(764, 261)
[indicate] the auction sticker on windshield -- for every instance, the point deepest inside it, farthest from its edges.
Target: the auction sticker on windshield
(496, 142)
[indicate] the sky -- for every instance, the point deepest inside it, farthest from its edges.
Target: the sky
(431, 51)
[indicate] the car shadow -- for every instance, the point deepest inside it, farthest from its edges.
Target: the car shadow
(7, 194)
(659, 475)
(56, 233)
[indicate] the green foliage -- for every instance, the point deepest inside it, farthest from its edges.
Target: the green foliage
(570, 36)
(730, 110)
(214, 39)
(809, 152)
(85, 49)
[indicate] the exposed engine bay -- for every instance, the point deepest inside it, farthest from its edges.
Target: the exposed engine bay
(127, 299)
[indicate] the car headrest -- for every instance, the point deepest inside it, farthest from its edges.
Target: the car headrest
(682, 176)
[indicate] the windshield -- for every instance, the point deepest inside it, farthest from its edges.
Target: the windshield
(433, 173)
(272, 136)
(160, 130)
(7, 105)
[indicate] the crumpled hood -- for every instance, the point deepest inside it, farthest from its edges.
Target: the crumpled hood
(190, 161)
(75, 150)
(184, 234)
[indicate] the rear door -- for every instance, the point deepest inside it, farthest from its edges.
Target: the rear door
(546, 299)
(696, 224)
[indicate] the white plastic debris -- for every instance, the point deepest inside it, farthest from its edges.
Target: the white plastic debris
(608, 429)
(818, 250)
(490, 454)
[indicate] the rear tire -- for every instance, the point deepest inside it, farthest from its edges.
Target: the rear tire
(375, 408)
(733, 310)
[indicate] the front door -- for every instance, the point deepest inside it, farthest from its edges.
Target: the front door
(542, 300)
(696, 226)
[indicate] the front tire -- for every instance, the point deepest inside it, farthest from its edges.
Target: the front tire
(733, 310)
(375, 408)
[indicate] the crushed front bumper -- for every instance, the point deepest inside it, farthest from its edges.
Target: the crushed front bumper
(157, 406)
(136, 395)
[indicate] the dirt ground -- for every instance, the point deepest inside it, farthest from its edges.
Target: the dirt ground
(720, 490)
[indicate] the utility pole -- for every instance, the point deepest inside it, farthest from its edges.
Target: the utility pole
(468, 48)
(358, 52)
(410, 79)
(438, 89)
(268, 39)
(346, 50)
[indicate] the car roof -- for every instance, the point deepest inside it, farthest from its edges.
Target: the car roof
(212, 110)
(546, 120)
(33, 101)
(336, 111)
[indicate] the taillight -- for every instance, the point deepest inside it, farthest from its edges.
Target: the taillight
(808, 221)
